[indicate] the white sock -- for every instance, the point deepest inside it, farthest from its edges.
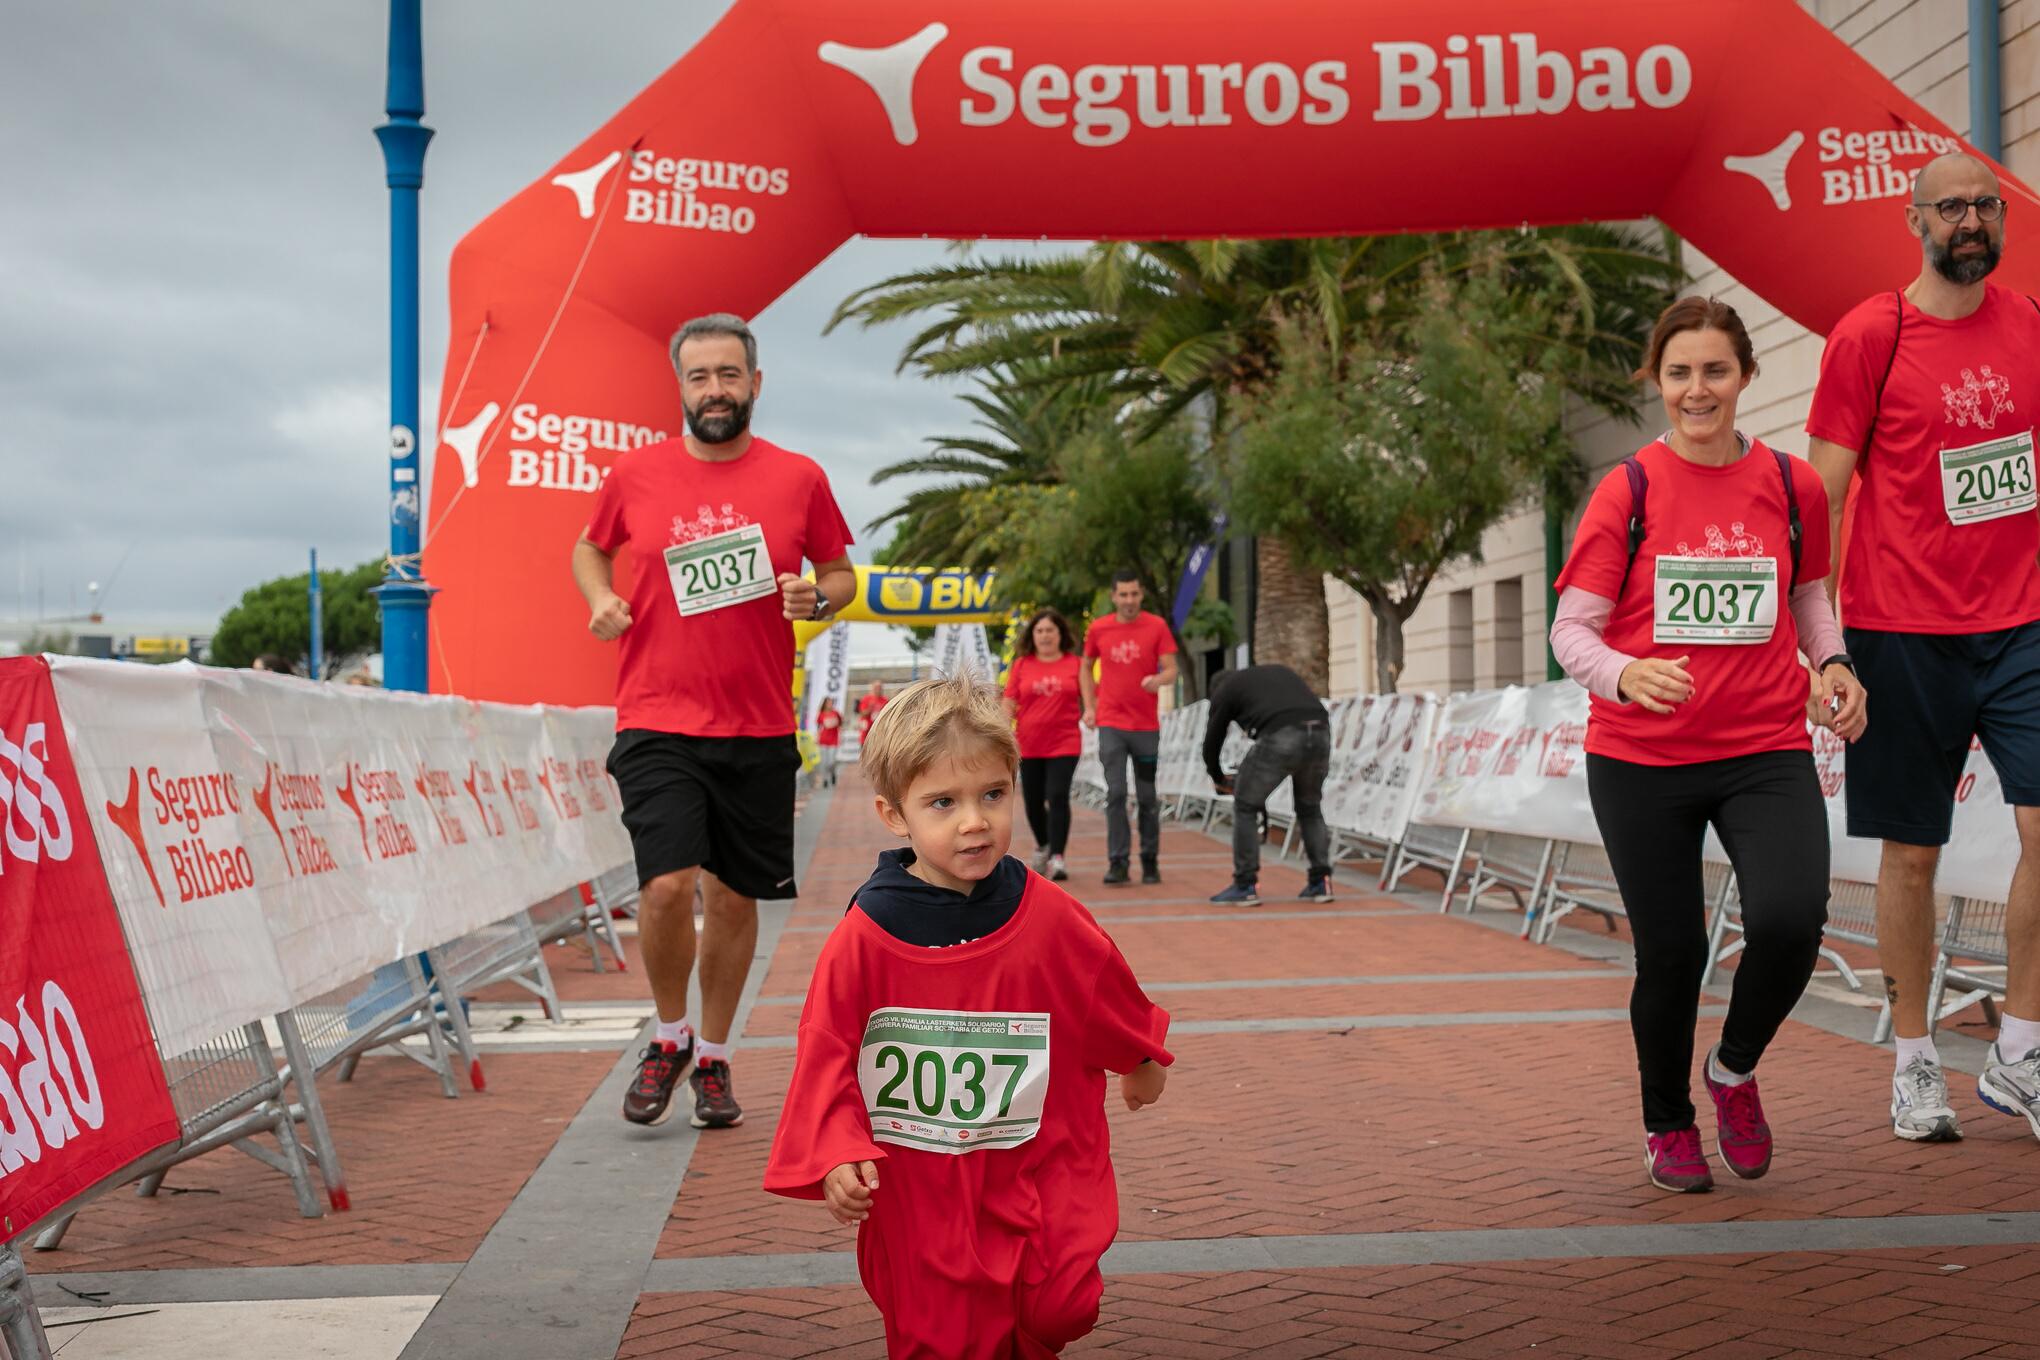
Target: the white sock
(704, 1051)
(673, 1032)
(1721, 1075)
(1908, 1049)
(2016, 1037)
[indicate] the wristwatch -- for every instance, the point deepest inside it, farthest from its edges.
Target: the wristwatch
(822, 607)
(1841, 659)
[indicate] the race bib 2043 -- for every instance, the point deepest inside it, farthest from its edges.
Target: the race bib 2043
(1715, 600)
(1989, 481)
(954, 1081)
(720, 570)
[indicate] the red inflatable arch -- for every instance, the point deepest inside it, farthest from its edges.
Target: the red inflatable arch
(1759, 136)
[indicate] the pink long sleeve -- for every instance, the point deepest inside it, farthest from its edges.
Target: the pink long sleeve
(1820, 637)
(1576, 640)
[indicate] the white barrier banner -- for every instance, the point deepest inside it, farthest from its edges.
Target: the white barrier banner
(1379, 745)
(268, 838)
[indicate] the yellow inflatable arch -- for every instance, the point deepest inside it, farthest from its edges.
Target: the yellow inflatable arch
(910, 595)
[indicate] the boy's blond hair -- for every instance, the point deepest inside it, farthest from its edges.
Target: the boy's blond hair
(929, 719)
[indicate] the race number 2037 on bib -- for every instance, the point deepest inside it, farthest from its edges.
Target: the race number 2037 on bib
(1717, 600)
(721, 570)
(953, 1081)
(1989, 481)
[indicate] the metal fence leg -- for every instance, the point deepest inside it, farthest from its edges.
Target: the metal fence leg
(323, 1152)
(21, 1323)
(1452, 874)
(441, 1060)
(52, 1237)
(463, 1037)
(293, 1158)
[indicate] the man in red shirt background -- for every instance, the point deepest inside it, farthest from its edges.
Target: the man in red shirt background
(868, 705)
(1928, 398)
(1135, 656)
(705, 754)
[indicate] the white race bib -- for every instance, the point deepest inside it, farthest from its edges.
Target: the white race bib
(953, 1081)
(1988, 481)
(721, 570)
(1715, 600)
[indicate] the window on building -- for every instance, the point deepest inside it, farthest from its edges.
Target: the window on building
(1509, 661)
(1459, 640)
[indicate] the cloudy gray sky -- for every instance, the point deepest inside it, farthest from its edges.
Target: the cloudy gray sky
(193, 261)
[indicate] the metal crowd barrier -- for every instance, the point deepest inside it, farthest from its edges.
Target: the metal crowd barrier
(20, 1325)
(227, 1092)
(1582, 879)
(1434, 847)
(1852, 916)
(1519, 865)
(1973, 934)
(580, 911)
(507, 951)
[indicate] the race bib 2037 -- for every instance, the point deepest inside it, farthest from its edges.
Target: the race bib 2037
(1715, 600)
(954, 1081)
(721, 570)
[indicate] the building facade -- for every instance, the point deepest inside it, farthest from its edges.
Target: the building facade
(1483, 624)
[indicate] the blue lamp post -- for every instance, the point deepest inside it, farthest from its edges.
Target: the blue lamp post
(404, 595)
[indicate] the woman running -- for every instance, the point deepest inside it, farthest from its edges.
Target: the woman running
(1043, 697)
(1692, 591)
(828, 741)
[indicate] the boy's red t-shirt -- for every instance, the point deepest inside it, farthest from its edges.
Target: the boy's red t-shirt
(829, 728)
(1052, 1195)
(1049, 706)
(722, 672)
(1128, 653)
(1746, 699)
(1948, 385)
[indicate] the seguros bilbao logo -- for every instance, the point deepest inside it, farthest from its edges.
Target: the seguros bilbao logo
(34, 823)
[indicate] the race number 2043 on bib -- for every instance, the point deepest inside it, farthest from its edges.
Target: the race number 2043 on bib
(953, 1081)
(721, 570)
(1988, 481)
(1732, 600)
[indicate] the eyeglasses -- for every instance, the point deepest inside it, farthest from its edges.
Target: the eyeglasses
(1989, 208)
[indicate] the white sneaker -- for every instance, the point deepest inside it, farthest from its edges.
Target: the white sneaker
(1057, 869)
(1041, 859)
(2012, 1087)
(1920, 1112)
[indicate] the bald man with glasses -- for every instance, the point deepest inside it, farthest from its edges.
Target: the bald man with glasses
(1928, 396)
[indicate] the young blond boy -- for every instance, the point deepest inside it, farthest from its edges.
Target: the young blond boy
(948, 1087)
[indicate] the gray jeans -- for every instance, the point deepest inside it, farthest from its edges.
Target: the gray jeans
(1116, 746)
(1302, 753)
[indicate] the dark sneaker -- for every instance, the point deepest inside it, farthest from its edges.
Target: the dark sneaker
(1115, 874)
(1317, 890)
(1236, 896)
(651, 1091)
(714, 1106)
(1150, 871)
(1741, 1134)
(1674, 1161)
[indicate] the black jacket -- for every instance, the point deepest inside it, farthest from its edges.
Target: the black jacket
(1261, 699)
(920, 913)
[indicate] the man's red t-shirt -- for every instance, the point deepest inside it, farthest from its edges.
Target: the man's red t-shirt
(1128, 653)
(1952, 385)
(722, 672)
(829, 728)
(867, 712)
(1746, 698)
(1049, 706)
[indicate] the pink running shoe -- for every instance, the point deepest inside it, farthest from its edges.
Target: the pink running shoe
(1741, 1134)
(1675, 1161)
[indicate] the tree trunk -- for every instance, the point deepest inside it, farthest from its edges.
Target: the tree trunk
(1388, 646)
(1290, 624)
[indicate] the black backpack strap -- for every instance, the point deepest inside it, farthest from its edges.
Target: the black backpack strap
(1877, 403)
(1639, 487)
(1791, 511)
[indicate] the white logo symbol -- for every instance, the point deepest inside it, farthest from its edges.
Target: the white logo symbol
(1982, 398)
(583, 182)
(402, 442)
(32, 813)
(890, 72)
(466, 440)
(1769, 168)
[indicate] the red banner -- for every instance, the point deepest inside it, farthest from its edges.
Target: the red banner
(81, 1086)
(1759, 135)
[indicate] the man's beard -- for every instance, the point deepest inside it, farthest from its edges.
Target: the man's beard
(1971, 268)
(719, 426)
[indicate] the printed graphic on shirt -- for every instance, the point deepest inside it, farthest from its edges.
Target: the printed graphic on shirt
(1124, 653)
(1980, 400)
(954, 1081)
(1737, 542)
(1989, 481)
(1047, 686)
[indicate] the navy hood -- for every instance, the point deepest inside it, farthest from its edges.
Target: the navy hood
(920, 913)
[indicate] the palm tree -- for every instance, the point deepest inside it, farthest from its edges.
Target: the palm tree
(1176, 322)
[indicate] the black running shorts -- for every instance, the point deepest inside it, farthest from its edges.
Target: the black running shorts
(1929, 694)
(724, 803)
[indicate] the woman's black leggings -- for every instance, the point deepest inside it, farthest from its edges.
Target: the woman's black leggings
(1045, 784)
(1768, 811)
